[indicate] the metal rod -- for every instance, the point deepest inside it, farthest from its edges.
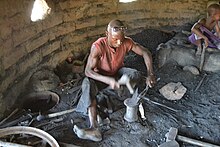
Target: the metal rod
(56, 114)
(142, 93)
(13, 112)
(200, 83)
(31, 131)
(195, 142)
(202, 57)
(156, 103)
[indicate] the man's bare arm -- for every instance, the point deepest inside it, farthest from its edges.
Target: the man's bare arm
(92, 62)
(140, 50)
(195, 29)
(217, 28)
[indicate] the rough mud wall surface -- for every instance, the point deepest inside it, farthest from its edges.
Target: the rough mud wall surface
(72, 26)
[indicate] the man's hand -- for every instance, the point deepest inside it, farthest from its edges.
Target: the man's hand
(113, 83)
(151, 80)
(206, 40)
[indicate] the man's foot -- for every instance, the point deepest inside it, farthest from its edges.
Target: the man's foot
(90, 134)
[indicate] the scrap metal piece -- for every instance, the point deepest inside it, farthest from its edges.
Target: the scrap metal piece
(169, 144)
(5, 119)
(141, 110)
(131, 111)
(200, 83)
(135, 99)
(133, 105)
(159, 104)
(172, 135)
(29, 130)
(47, 116)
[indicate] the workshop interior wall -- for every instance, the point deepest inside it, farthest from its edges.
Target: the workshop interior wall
(71, 28)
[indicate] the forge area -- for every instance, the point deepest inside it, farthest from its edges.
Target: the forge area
(196, 115)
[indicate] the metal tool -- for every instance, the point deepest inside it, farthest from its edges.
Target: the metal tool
(159, 104)
(30, 131)
(132, 106)
(131, 111)
(172, 135)
(125, 80)
(47, 116)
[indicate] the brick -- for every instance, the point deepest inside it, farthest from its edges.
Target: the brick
(23, 35)
(106, 8)
(52, 21)
(81, 48)
(11, 76)
(129, 15)
(31, 45)
(5, 31)
(7, 47)
(13, 57)
(104, 20)
(70, 16)
(29, 62)
(97, 31)
(86, 22)
(72, 4)
(85, 11)
(138, 5)
(64, 29)
(57, 58)
(2, 70)
(75, 37)
(46, 50)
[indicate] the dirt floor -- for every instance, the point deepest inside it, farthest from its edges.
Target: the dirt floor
(195, 115)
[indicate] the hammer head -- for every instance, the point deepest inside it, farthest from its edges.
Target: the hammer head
(40, 117)
(171, 135)
(125, 80)
(170, 138)
(169, 144)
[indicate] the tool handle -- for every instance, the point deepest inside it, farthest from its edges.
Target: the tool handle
(42, 117)
(195, 142)
(60, 113)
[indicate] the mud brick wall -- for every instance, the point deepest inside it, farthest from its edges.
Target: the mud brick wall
(72, 26)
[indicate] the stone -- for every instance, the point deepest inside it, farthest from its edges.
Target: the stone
(173, 91)
(180, 50)
(192, 69)
(43, 80)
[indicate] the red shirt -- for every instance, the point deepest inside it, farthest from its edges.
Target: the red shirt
(110, 59)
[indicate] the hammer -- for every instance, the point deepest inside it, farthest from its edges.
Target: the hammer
(52, 115)
(172, 135)
(125, 80)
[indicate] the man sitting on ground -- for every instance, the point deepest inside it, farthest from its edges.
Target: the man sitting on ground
(207, 30)
(104, 66)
